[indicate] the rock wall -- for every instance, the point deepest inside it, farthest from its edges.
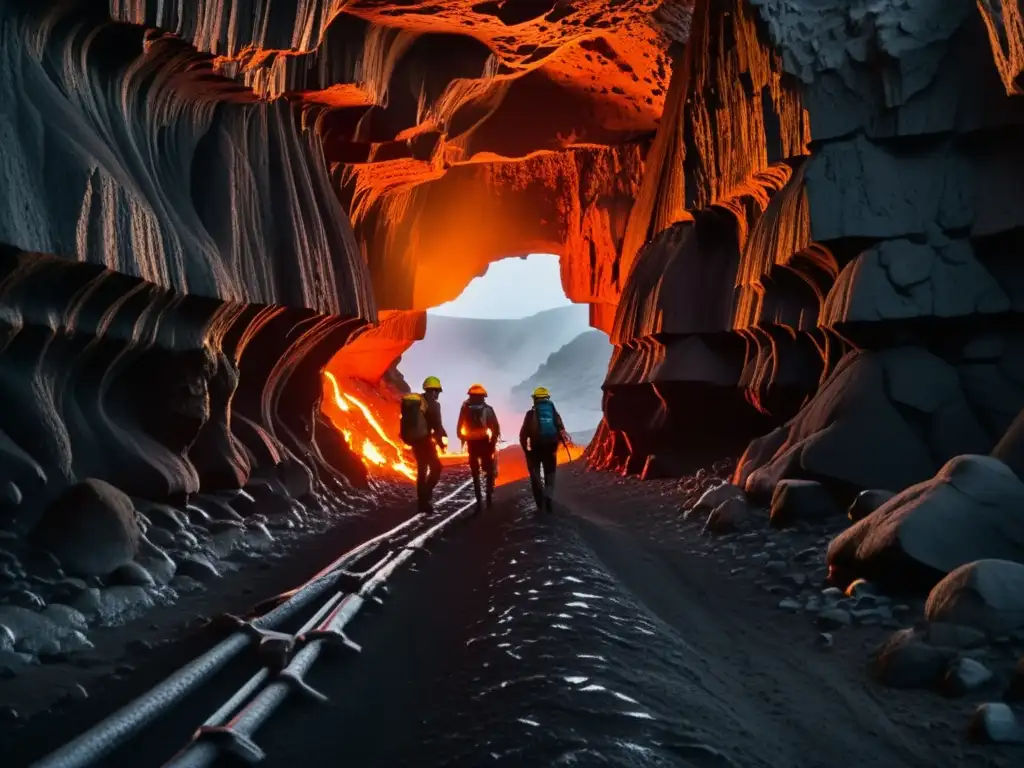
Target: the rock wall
(850, 172)
(176, 268)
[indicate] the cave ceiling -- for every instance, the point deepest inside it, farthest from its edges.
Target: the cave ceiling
(458, 133)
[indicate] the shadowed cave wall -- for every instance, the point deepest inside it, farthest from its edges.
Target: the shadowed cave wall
(799, 225)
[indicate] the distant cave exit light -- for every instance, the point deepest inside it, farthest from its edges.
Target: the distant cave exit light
(512, 288)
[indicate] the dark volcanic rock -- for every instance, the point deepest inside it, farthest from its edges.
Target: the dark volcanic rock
(970, 511)
(867, 502)
(987, 594)
(731, 515)
(91, 528)
(906, 661)
(801, 501)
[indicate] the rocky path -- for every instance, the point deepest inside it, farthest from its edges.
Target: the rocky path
(613, 633)
(47, 700)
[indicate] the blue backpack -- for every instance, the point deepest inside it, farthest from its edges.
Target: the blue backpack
(547, 429)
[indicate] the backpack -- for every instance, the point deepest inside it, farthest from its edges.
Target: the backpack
(547, 428)
(476, 421)
(413, 426)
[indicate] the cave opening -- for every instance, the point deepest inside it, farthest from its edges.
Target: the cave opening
(511, 328)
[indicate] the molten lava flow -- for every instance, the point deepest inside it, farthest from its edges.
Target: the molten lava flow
(367, 437)
(363, 432)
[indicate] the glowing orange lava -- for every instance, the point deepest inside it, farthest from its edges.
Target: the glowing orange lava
(366, 422)
(364, 434)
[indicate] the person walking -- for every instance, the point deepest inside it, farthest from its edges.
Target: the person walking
(423, 431)
(539, 437)
(479, 431)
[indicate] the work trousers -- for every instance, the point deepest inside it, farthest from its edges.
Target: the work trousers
(428, 471)
(481, 456)
(543, 458)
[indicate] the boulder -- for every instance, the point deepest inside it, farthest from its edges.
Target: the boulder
(66, 616)
(165, 517)
(906, 661)
(995, 723)
(973, 509)
(216, 508)
(731, 515)
(258, 538)
(197, 567)
(987, 594)
(91, 528)
(132, 575)
(114, 605)
(798, 501)
(867, 502)
(40, 635)
(156, 561)
(714, 497)
(965, 675)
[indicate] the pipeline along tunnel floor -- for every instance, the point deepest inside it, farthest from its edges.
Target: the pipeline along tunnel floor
(583, 639)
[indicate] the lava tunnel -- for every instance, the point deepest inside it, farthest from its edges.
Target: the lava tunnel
(793, 229)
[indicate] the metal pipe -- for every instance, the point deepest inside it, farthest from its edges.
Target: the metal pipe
(239, 731)
(113, 731)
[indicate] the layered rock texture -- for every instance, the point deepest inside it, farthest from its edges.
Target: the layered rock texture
(798, 222)
(841, 279)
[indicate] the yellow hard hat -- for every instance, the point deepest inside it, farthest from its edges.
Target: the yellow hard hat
(432, 382)
(541, 392)
(477, 389)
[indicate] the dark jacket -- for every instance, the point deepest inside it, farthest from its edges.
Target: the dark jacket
(529, 428)
(490, 416)
(433, 415)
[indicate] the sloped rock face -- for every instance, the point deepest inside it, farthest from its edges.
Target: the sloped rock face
(851, 243)
(176, 268)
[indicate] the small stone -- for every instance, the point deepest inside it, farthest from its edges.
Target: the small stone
(833, 618)
(775, 566)
(790, 604)
(163, 537)
(813, 604)
(860, 589)
(965, 675)
(736, 571)
(776, 589)
(901, 608)
(832, 593)
(995, 723)
(866, 616)
(824, 640)
(132, 575)
(78, 693)
(796, 579)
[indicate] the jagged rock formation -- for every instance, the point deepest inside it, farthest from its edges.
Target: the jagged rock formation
(798, 222)
(851, 240)
(176, 268)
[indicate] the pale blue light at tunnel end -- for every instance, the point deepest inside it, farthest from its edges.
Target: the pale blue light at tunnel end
(510, 289)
